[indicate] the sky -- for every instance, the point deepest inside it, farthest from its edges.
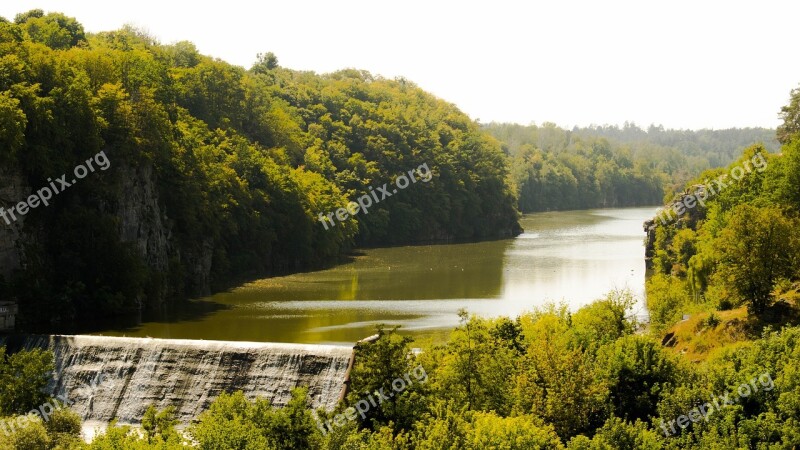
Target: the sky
(681, 64)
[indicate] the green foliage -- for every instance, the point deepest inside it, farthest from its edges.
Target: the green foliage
(444, 428)
(790, 114)
(64, 428)
(607, 166)
(159, 426)
(582, 177)
(619, 435)
(125, 438)
(265, 62)
(378, 363)
(758, 247)
(23, 377)
(234, 422)
(30, 435)
(666, 300)
(472, 367)
(12, 124)
(54, 30)
(604, 321)
(556, 379)
(639, 374)
(487, 430)
(738, 247)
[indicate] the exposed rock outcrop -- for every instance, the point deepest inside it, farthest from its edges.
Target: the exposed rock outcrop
(13, 189)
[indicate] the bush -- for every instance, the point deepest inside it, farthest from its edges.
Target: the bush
(666, 299)
(639, 374)
(711, 321)
(64, 428)
(23, 377)
(618, 434)
(510, 433)
(30, 435)
(235, 422)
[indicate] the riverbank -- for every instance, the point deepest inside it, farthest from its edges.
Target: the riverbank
(573, 257)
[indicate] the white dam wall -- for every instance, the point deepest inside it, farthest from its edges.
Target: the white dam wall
(114, 377)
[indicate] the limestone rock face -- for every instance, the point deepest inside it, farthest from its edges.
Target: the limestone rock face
(140, 217)
(143, 222)
(111, 377)
(13, 190)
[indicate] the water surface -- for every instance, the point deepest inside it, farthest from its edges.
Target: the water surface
(572, 257)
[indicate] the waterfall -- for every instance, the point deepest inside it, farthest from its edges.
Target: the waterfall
(118, 377)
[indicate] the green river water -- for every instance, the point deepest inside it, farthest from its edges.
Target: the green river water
(572, 257)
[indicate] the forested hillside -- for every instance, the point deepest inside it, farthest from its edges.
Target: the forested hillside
(740, 245)
(215, 171)
(609, 166)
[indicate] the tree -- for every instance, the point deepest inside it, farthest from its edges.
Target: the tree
(159, 426)
(64, 428)
(619, 435)
(265, 62)
(605, 320)
(557, 381)
(12, 127)
(487, 430)
(639, 373)
(232, 421)
(758, 247)
(55, 30)
(31, 435)
(790, 114)
(23, 377)
(377, 365)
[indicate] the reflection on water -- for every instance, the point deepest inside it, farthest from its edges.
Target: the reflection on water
(574, 257)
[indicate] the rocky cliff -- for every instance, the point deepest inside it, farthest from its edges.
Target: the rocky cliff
(13, 189)
(142, 222)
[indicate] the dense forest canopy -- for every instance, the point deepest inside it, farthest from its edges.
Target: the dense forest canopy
(609, 166)
(226, 169)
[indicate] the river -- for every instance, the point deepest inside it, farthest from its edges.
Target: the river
(572, 257)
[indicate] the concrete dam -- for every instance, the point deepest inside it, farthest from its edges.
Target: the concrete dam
(104, 378)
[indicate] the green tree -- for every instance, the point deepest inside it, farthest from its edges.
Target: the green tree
(31, 435)
(64, 428)
(159, 426)
(487, 430)
(557, 380)
(265, 62)
(235, 422)
(790, 128)
(23, 377)
(758, 247)
(639, 373)
(378, 363)
(666, 298)
(605, 320)
(55, 30)
(619, 435)
(12, 127)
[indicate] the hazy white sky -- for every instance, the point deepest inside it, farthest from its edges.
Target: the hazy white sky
(683, 64)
